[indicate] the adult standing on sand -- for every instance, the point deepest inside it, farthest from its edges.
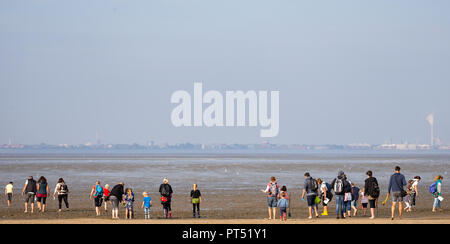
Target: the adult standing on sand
(396, 184)
(29, 191)
(63, 193)
(372, 191)
(97, 194)
(272, 190)
(165, 189)
(42, 193)
(116, 197)
(414, 192)
(339, 185)
(310, 188)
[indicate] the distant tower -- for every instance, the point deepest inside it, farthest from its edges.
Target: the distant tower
(10, 141)
(430, 120)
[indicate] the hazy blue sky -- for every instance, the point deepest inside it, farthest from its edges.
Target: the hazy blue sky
(347, 71)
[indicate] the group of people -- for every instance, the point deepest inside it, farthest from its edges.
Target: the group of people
(316, 191)
(347, 195)
(38, 191)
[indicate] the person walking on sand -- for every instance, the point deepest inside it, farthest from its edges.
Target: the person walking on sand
(310, 188)
(9, 192)
(372, 191)
(339, 185)
(165, 189)
(272, 190)
(196, 199)
(63, 194)
(414, 192)
(146, 204)
(283, 204)
(116, 197)
(396, 184)
(97, 194)
(29, 191)
(42, 193)
(325, 195)
(437, 193)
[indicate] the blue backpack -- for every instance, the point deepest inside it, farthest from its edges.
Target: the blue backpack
(98, 191)
(433, 188)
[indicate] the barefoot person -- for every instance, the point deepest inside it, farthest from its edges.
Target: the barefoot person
(355, 198)
(283, 204)
(146, 204)
(29, 191)
(9, 192)
(166, 198)
(129, 201)
(106, 193)
(42, 193)
(372, 191)
(437, 194)
(116, 197)
(310, 188)
(97, 194)
(396, 184)
(272, 190)
(62, 190)
(286, 196)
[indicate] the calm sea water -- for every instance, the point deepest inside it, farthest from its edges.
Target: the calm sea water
(214, 170)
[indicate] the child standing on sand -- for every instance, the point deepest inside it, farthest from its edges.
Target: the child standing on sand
(283, 204)
(146, 204)
(196, 199)
(106, 193)
(364, 202)
(9, 192)
(129, 200)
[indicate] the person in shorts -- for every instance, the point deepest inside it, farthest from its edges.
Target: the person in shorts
(311, 194)
(395, 189)
(364, 202)
(97, 194)
(272, 190)
(9, 192)
(146, 204)
(29, 192)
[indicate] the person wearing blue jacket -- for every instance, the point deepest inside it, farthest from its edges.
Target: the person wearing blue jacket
(283, 204)
(396, 184)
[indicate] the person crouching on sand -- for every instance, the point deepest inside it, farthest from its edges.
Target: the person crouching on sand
(146, 204)
(272, 190)
(116, 197)
(283, 204)
(129, 200)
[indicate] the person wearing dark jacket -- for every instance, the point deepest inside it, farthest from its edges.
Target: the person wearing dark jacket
(396, 184)
(116, 196)
(339, 185)
(372, 191)
(166, 198)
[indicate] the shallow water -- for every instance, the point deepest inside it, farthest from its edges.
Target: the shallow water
(216, 171)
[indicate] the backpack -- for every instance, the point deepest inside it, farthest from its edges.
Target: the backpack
(313, 185)
(165, 191)
(433, 188)
(63, 188)
(374, 190)
(98, 191)
(273, 189)
(338, 186)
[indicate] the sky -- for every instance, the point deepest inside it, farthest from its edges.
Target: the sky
(347, 71)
